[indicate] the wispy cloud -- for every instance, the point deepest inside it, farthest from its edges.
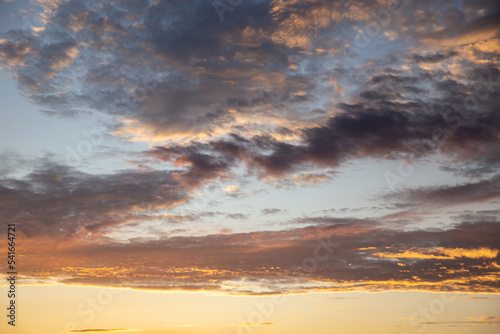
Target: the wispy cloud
(483, 320)
(105, 330)
(186, 325)
(339, 307)
(255, 324)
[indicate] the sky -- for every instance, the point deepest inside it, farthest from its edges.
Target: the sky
(251, 166)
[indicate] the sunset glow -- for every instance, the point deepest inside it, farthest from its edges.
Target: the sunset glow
(250, 166)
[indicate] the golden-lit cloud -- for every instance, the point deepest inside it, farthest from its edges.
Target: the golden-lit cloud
(231, 188)
(487, 320)
(325, 256)
(441, 253)
(301, 179)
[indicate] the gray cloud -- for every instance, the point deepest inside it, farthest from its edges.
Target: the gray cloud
(473, 192)
(271, 211)
(56, 200)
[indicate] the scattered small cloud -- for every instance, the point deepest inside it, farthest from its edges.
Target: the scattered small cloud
(271, 211)
(255, 324)
(105, 330)
(231, 188)
(339, 307)
(186, 325)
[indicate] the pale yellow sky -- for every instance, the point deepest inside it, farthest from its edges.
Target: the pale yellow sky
(49, 309)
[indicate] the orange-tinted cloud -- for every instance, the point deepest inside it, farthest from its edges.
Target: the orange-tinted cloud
(441, 253)
(325, 257)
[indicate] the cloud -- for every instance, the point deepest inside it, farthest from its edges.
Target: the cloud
(313, 258)
(376, 127)
(104, 330)
(259, 92)
(185, 325)
(255, 324)
(471, 31)
(433, 58)
(236, 216)
(483, 320)
(442, 253)
(327, 220)
(231, 188)
(339, 307)
(165, 76)
(301, 179)
(335, 298)
(471, 192)
(57, 200)
(272, 211)
(487, 320)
